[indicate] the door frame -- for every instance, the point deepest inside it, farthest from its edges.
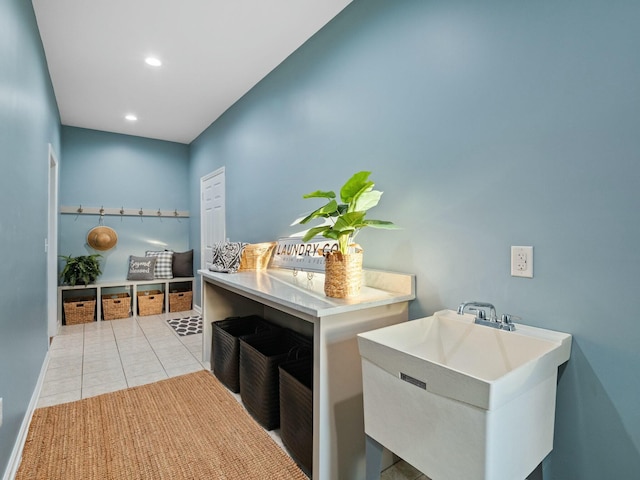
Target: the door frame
(51, 242)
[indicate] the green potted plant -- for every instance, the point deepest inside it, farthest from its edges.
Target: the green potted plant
(342, 222)
(84, 269)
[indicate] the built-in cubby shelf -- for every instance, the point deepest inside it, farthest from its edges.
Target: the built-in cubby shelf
(97, 290)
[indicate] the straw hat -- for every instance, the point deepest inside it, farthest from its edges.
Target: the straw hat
(102, 238)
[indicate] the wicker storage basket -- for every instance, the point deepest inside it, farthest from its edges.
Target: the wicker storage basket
(180, 301)
(116, 305)
(256, 256)
(296, 410)
(260, 356)
(225, 346)
(150, 302)
(343, 274)
(79, 310)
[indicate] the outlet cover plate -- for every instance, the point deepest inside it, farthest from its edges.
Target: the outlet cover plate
(522, 262)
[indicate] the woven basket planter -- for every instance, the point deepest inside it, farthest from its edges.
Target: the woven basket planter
(79, 310)
(343, 274)
(225, 346)
(150, 302)
(116, 305)
(260, 357)
(256, 256)
(180, 301)
(296, 411)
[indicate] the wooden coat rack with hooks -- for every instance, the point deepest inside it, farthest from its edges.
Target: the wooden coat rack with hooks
(122, 211)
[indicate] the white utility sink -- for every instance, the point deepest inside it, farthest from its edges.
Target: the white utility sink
(461, 400)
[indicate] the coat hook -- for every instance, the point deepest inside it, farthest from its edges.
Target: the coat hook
(80, 210)
(159, 213)
(102, 210)
(140, 212)
(121, 210)
(175, 212)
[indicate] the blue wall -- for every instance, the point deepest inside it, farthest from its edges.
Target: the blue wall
(29, 122)
(487, 124)
(114, 171)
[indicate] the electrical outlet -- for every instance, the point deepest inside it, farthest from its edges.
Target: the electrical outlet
(522, 262)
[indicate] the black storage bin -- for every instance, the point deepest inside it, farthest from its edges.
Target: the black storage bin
(296, 410)
(225, 348)
(260, 357)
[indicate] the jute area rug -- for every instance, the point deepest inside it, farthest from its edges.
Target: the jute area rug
(187, 427)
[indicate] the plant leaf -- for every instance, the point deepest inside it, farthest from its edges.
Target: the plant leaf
(354, 185)
(320, 194)
(381, 224)
(312, 232)
(332, 234)
(366, 199)
(342, 209)
(324, 212)
(349, 221)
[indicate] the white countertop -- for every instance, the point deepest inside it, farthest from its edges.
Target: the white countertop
(281, 287)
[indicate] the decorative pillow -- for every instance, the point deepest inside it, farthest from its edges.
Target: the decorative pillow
(164, 263)
(226, 257)
(183, 264)
(141, 268)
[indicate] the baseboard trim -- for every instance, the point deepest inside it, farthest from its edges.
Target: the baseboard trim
(16, 453)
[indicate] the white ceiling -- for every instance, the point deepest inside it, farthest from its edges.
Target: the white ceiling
(213, 52)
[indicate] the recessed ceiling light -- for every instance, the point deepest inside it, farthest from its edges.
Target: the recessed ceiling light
(131, 117)
(153, 61)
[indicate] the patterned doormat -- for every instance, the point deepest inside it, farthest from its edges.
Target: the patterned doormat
(187, 326)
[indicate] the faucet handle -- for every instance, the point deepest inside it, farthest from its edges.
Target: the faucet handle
(506, 319)
(480, 313)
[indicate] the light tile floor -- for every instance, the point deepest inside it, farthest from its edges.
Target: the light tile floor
(102, 357)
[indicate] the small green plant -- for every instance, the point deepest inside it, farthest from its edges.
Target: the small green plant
(84, 269)
(343, 221)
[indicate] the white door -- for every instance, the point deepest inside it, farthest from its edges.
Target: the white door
(51, 246)
(212, 214)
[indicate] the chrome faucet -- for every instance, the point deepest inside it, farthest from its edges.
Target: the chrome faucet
(504, 323)
(478, 308)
